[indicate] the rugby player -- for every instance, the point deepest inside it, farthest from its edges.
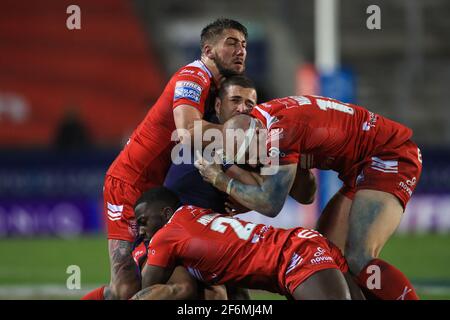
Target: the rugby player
(181, 285)
(218, 249)
(144, 161)
(376, 160)
(237, 95)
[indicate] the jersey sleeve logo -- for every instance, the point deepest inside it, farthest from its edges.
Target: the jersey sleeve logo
(187, 90)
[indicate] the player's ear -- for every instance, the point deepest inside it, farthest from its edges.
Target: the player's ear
(208, 51)
(217, 105)
(167, 213)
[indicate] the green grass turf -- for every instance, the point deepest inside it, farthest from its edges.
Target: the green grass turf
(425, 259)
(45, 261)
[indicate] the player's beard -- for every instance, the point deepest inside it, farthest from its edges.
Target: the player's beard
(224, 71)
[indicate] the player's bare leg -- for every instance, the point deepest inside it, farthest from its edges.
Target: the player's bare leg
(328, 284)
(374, 217)
(333, 222)
(125, 281)
(355, 290)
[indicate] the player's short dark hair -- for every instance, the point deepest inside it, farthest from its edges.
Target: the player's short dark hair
(161, 196)
(235, 80)
(216, 28)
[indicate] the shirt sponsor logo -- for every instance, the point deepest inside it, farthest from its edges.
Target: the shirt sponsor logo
(319, 252)
(411, 182)
(407, 185)
(138, 254)
(320, 257)
(187, 90)
(189, 71)
(202, 75)
(367, 125)
(260, 234)
(405, 188)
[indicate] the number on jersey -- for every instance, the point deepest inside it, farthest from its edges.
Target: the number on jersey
(328, 104)
(243, 232)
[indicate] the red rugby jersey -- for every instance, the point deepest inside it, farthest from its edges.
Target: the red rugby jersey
(324, 133)
(145, 159)
(216, 248)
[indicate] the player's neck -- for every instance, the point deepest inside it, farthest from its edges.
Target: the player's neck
(213, 68)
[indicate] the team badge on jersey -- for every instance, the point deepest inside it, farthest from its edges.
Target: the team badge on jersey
(187, 90)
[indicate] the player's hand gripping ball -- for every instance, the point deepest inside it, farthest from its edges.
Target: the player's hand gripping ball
(208, 170)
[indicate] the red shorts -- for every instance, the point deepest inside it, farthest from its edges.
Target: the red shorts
(305, 253)
(395, 171)
(118, 207)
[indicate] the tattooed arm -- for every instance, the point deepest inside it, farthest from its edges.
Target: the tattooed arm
(124, 279)
(176, 291)
(267, 196)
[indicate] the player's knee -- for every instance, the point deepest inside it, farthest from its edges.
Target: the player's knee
(357, 259)
(359, 253)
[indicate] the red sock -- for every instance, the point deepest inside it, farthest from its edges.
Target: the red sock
(96, 294)
(386, 282)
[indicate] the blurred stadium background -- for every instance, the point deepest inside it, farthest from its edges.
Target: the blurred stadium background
(70, 98)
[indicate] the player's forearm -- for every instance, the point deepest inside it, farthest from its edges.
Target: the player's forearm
(243, 176)
(196, 130)
(164, 292)
(260, 198)
(190, 125)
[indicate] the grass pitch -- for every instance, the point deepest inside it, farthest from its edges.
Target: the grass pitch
(36, 268)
